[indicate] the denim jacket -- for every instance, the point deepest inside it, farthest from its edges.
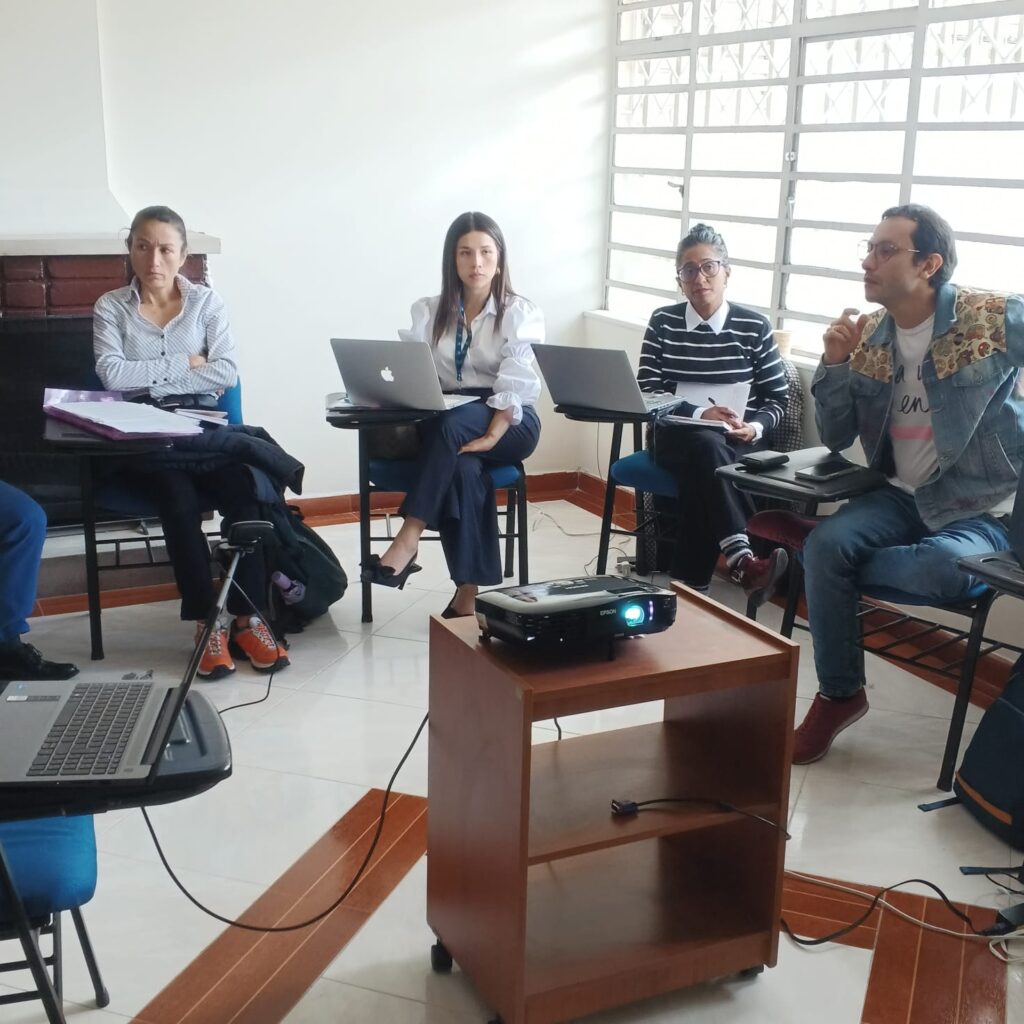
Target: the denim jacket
(970, 376)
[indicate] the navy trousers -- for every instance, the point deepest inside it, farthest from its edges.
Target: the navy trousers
(182, 498)
(708, 509)
(22, 532)
(453, 493)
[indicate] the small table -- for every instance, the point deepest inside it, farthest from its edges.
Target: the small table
(618, 419)
(550, 905)
(88, 447)
(782, 483)
(359, 420)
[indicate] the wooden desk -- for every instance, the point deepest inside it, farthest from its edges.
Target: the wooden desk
(551, 906)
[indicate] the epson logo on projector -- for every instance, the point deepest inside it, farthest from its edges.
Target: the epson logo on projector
(608, 611)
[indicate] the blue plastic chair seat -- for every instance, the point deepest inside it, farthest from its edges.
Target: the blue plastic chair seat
(399, 474)
(640, 472)
(53, 863)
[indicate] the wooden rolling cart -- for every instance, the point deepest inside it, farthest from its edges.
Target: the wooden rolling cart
(550, 905)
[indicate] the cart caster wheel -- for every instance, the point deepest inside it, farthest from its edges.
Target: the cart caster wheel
(440, 958)
(752, 972)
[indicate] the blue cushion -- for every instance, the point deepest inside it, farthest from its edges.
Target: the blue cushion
(53, 862)
(399, 474)
(640, 472)
(231, 402)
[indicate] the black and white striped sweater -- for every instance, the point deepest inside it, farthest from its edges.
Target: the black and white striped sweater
(743, 352)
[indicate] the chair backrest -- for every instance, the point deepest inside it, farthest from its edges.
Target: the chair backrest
(231, 402)
(788, 436)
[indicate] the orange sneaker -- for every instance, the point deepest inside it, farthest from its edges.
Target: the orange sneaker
(215, 663)
(256, 644)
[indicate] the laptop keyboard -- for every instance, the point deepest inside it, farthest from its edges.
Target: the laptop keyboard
(92, 731)
(656, 399)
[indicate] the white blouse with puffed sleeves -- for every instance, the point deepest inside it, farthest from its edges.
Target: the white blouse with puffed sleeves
(500, 360)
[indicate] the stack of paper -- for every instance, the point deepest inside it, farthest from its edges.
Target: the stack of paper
(122, 421)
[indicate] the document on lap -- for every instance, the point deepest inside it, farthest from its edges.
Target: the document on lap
(104, 413)
(689, 421)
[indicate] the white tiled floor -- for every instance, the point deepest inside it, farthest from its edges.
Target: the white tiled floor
(337, 722)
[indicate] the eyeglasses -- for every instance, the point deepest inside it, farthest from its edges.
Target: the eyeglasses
(882, 251)
(689, 271)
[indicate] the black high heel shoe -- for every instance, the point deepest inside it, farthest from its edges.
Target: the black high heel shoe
(451, 613)
(385, 576)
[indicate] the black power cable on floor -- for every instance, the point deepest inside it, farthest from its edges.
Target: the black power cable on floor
(273, 670)
(326, 911)
(839, 933)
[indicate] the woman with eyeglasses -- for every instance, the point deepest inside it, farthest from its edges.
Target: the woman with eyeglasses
(481, 334)
(699, 347)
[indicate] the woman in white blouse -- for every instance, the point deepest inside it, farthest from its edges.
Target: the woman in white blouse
(481, 334)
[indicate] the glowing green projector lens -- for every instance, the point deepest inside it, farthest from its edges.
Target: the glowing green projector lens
(633, 614)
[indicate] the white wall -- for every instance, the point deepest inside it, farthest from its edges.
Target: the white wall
(53, 167)
(329, 144)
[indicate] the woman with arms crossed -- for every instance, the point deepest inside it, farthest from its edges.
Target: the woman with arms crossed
(480, 333)
(172, 337)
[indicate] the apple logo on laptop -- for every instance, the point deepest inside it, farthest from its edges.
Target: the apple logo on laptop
(387, 375)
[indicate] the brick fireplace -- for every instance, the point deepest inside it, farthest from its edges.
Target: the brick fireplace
(63, 286)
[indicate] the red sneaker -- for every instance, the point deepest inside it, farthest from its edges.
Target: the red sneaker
(759, 576)
(256, 644)
(825, 720)
(215, 663)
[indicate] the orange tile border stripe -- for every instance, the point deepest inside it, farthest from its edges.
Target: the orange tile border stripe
(917, 976)
(256, 978)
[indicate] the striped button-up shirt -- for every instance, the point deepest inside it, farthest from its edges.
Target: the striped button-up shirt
(132, 352)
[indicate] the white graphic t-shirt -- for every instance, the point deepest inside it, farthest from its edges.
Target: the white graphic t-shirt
(910, 424)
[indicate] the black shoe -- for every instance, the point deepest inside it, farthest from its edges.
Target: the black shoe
(24, 662)
(374, 572)
(451, 613)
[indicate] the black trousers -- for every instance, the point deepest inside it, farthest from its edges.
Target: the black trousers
(708, 509)
(183, 496)
(453, 493)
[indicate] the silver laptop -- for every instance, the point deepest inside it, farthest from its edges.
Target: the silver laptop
(596, 378)
(390, 375)
(106, 731)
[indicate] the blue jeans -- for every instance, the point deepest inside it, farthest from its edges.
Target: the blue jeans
(22, 532)
(879, 540)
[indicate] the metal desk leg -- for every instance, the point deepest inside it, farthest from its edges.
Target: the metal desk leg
(40, 975)
(364, 523)
(609, 502)
(92, 576)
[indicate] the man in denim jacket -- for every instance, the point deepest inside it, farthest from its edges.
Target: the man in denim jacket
(929, 384)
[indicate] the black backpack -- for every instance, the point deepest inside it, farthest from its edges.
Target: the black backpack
(304, 557)
(990, 782)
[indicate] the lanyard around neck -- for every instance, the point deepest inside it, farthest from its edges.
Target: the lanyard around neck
(460, 348)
